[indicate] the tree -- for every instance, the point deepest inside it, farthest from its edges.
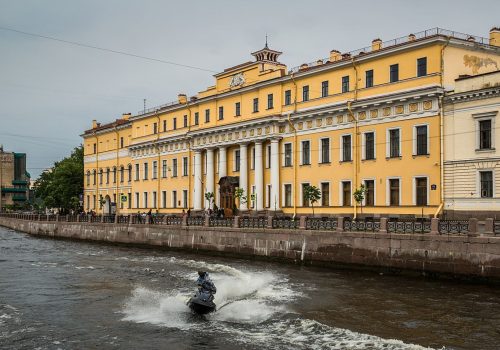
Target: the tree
(359, 196)
(239, 193)
(209, 196)
(61, 186)
(311, 194)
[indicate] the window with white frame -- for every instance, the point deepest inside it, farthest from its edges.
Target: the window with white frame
(163, 199)
(393, 143)
(369, 145)
(268, 195)
(137, 204)
(155, 169)
(252, 161)
(174, 199)
(421, 191)
(370, 193)
(324, 150)
(421, 140)
(268, 156)
(287, 154)
(145, 199)
(154, 201)
(236, 160)
(485, 134)
(185, 199)
(345, 188)
(137, 173)
(306, 152)
(305, 202)
(146, 170)
(174, 167)
(164, 168)
(486, 183)
(346, 148)
(185, 166)
(287, 193)
(393, 192)
(325, 194)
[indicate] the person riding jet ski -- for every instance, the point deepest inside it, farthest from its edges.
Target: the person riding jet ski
(202, 301)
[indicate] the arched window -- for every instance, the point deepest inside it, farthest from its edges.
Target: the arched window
(114, 174)
(94, 176)
(88, 177)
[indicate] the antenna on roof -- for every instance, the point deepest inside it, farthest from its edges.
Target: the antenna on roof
(266, 42)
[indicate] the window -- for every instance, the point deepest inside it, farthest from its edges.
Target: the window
(185, 121)
(94, 177)
(155, 128)
(346, 148)
(88, 178)
(129, 200)
(100, 176)
(196, 118)
(288, 98)
(185, 198)
(268, 160)
(255, 105)
(346, 193)
(394, 139)
(369, 145)
(164, 168)
(288, 154)
(325, 194)
(421, 132)
(88, 202)
(485, 134)
(137, 200)
(306, 152)
(393, 192)
(370, 193)
(252, 163)
(114, 174)
(145, 199)
(163, 199)
(174, 199)
(95, 148)
(421, 66)
(154, 200)
(288, 195)
(305, 93)
(154, 175)
(324, 88)
(107, 175)
(305, 201)
(345, 84)
(185, 166)
(121, 142)
(270, 102)
(237, 107)
(129, 173)
(325, 150)
(394, 73)
(486, 178)
(164, 125)
(207, 116)
(122, 176)
(221, 113)
(174, 167)
(137, 172)
(237, 160)
(175, 124)
(369, 78)
(421, 190)
(146, 167)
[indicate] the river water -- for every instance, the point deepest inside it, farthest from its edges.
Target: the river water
(77, 295)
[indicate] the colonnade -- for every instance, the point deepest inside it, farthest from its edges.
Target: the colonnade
(199, 194)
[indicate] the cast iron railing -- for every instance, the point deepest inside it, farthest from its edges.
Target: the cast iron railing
(409, 226)
(325, 223)
(361, 225)
(220, 222)
(453, 226)
(253, 221)
(285, 222)
(196, 221)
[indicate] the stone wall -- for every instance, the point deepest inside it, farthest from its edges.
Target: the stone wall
(462, 256)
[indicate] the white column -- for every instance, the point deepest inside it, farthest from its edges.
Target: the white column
(243, 174)
(275, 175)
(259, 176)
(197, 180)
(222, 168)
(210, 174)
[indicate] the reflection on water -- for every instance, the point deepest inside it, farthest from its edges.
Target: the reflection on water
(74, 295)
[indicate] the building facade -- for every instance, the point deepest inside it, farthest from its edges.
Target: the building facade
(14, 180)
(369, 117)
(472, 159)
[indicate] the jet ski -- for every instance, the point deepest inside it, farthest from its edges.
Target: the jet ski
(202, 303)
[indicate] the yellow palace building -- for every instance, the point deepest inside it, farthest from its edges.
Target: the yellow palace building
(371, 117)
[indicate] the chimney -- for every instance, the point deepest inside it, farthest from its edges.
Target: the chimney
(376, 44)
(334, 56)
(495, 36)
(126, 116)
(412, 37)
(94, 124)
(182, 98)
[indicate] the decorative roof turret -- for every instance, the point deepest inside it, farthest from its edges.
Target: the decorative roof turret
(266, 54)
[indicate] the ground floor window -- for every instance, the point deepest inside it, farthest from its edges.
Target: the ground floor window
(288, 195)
(370, 193)
(325, 194)
(305, 201)
(421, 190)
(346, 193)
(486, 184)
(394, 192)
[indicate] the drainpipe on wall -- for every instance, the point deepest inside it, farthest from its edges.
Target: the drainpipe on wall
(441, 133)
(118, 196)
(295, 149)
(191, 168)
(356, 132)
(98, 198)
(157, 204)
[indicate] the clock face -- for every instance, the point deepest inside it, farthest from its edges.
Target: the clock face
(237, 80)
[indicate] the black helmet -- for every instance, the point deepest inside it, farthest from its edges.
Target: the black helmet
(201, 273)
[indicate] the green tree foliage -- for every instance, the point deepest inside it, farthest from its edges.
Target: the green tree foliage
(311, 194)
(359, 195)
(209, 196)
(61, 186)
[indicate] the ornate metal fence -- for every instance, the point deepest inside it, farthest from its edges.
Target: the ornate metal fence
(157, 219)
(285, 222)
(453, 226)
(409, 226)
(196, 221)
(359, 225)
(123, 219)
(496, 227)
(221, 222)
(95, 218)
(173, 220)
(84, 218)
(322, 223)
(109, 219)
(253, 221)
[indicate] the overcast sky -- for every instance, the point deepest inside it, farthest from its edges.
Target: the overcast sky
(50, 91)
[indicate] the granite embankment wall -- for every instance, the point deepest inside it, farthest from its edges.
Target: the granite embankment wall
(462, 256)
